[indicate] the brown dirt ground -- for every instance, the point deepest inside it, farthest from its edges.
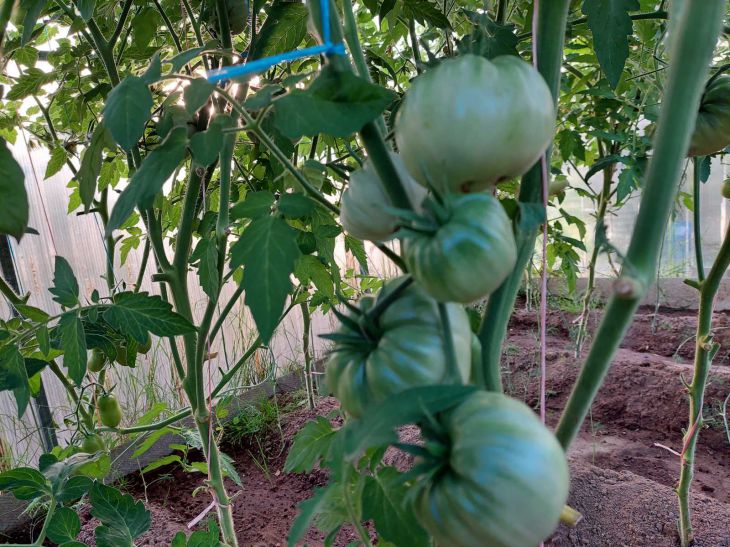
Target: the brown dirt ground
(621, 480)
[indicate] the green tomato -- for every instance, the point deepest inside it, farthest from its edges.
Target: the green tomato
(404, 349)
(557, 188)
(96, 361)
(363, 210)
(122, 356)
(109, 410)
(146, 347)
(470, 253)
(470, 123)
(726, 189)
(712, 128)
(505, 480)
(92, 444)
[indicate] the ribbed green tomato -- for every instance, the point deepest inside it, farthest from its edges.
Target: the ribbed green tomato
(469, 122)
(362, 211)
(92, 444)
(96, 361)
(504, 479)
(712, 129)
(471, 252)
(404, 349)
(109, 410)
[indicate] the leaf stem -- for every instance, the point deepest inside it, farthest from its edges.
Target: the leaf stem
(697, 225)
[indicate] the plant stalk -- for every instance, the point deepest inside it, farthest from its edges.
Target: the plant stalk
(308, 378)
(704, 350)
(691, 51)
(697, 225)
(552, 18)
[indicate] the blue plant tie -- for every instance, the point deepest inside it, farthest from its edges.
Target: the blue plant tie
(261, 65)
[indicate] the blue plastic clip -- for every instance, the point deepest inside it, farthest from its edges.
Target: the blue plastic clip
(261, 65)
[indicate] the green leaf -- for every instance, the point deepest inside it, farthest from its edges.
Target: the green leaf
(65, 525)
(207, 252)
(283, 31)
(181, 59)
(206, 145)
(147, 181)
(425, 12)
(14, 202)
(611, 26)
(489, 39)
(65, 288)
(311, 445)
(161, 462)
(127, 110)
(377, 427)
(626, 184)
(32, 313)
(56, 162)
(254, 205)
(200, 538)
(14, 376)
(604, 162)
(196, 94)
(86, 9)
(74, 488)
(123, 519)
(73, 344)
(44, 339)
(383, 502)
(138, 314)
(33, 9)
(310, 268)
(150, 440)
(705, 168)
(268, 251)
(30, 83)
(357, 248)
(337, 104)
(25, 483)
(154, 71)
(91, 163)
(308, 510)
(144, 27)
(296, 205)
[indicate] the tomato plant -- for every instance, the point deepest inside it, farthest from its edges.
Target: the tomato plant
(240, 148)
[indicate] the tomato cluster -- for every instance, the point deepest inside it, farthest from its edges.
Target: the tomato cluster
(491, 472)
(712, 128)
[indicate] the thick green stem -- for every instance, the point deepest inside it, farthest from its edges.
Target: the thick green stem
(702, 362)
(39, 541)
(704, 348)
(308, 378)
(697, 225)
(143, 266)
(169, 25)
(6, 11)
(502, 11)
(453, 373)
(120, 23)
(551, 22)
(695, 35)
(215, 480)
(603, 200)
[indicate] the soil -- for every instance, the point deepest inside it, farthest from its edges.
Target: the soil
(623, 465)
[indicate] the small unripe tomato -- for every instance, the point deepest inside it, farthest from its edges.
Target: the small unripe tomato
(109, 410)
(712, 128)
(92, 444)
(146, 347)
(726, 189)
(363, 210)
(121, 355)
(96, 361)
(469, 122)
(470, 252)
(500, 478)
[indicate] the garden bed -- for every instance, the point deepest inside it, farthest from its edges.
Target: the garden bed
(622, 481)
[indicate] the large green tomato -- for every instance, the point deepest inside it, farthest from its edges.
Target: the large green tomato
(109, 410)
(363, 210)
(470, 253)
(712, 129)
(404, 349)
(504, 479)
(470, 123)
